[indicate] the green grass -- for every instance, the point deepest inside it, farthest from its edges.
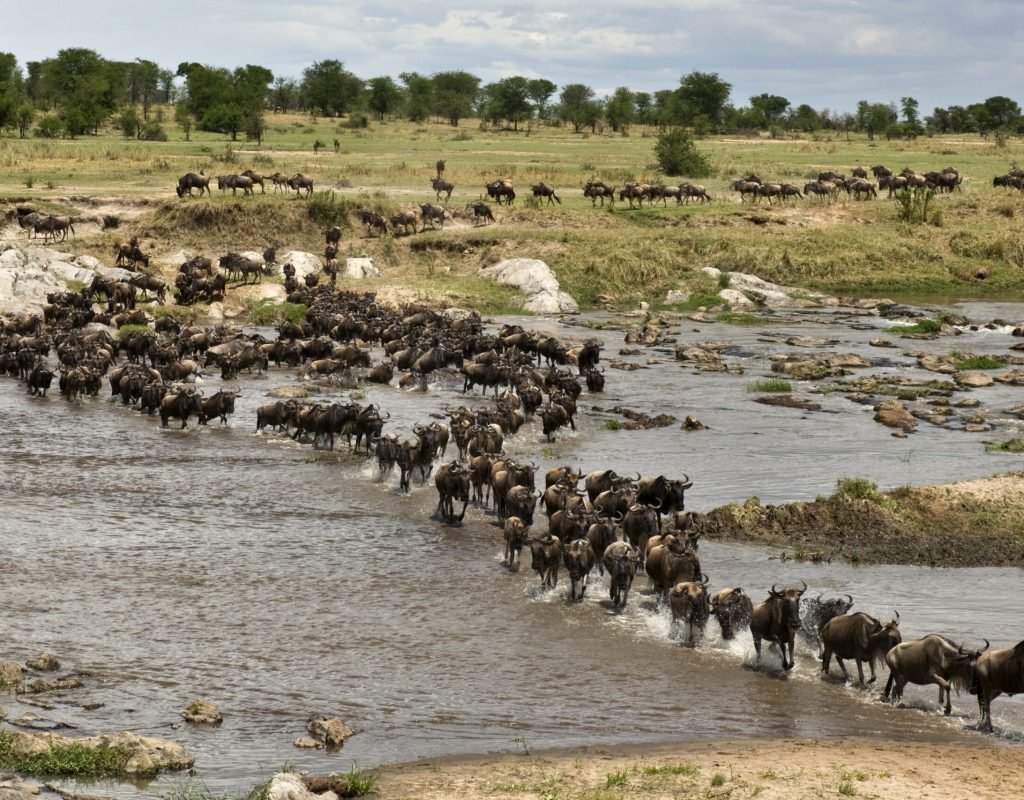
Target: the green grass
(978, 362)
(267, 312)
(860, 488)
(360, 782)
(672, 769)
(1009, 446)
(847, 789)
(718, 779)
(770, 385)
(739, 318)
(74, 760)
(128, 330)
(612, 425)
(619, 778)
(921, 326)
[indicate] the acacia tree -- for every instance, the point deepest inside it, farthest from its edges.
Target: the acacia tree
(620, 109)
(539, 90)
(454, 95)
(419, 95)
(330, 88)
(578, 105)
(912, 121)
(770, 107)
(509, 99)
(383, 96)
(77, 84)
(701, 97)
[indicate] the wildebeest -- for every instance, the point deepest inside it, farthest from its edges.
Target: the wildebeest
(620, 560)
(669, 563)
(501, 191)
(190, 181)
(181, 404)
(431, 213)
(452, 483)
(333, 235)
(997, 672)
(277, 414)
(39, 379)
(579, 560)
(860, 637)
(930, 659)
(732, 608)
(442, 186)
(403, 220)
(256, 178)
(689, 603)
(515, 538)
(374, 222)
(776, 620)
(596, 190)
(543, 190)
(234, 183)
(667, 495)
(816, 611)
(481, 212)
(298, 182)
(219, 405)
(546, 557)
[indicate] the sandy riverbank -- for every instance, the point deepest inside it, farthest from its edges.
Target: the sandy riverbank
(789, 769)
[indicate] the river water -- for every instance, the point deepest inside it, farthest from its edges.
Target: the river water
(278, 582)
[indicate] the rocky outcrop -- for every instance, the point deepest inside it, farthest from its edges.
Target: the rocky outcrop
(359, 268)
(146, 755)
(534, 279)
(894, 414)
(304, 263)
(45, 663)
(11, 674)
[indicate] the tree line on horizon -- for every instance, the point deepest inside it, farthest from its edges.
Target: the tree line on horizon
(78, 92)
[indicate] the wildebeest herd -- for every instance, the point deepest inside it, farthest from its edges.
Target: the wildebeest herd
(830, 184)
(614, 523)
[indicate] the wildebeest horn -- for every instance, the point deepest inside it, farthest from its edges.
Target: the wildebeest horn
(897, 613)
(617, 516)
(638, 478)
(774, 592)
(388, 416)
(805, 586)
(986, 647)
(658, 506)
(850, 596)
(706, 580)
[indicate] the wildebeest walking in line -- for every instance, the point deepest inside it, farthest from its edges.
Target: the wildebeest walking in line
(776, 620)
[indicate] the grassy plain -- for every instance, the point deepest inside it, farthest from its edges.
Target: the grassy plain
(973, 245)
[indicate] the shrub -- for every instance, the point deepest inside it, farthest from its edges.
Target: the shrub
(912, 204)
(921, 326)
(770, 385)
(677, 154)
(153, 131)
(860, 488)
(49, 127)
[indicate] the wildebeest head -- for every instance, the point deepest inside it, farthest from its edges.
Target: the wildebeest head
(786, 609)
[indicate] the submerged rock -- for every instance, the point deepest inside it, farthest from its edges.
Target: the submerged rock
(894, 414)
(44, 663)
(329, 731)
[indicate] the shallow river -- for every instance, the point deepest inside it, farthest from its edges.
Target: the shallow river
(250, 571)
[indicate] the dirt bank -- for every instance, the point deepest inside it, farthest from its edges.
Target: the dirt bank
(969, 524)
(764, 769)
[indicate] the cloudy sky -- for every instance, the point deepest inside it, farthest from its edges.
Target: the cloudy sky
(828, 53)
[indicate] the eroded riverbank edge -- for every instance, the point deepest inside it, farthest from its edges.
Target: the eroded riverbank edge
(777, 768)
(975, 523)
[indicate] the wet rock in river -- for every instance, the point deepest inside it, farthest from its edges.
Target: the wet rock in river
(706, 360)
(881, 343)
(973, 380)
(788, 401)
(894, 414)
(10, 673)
(691, 423)
(329, 731)
(44, 663)
(1014, 377)
(936, 363)
(307, 743)
(638, 421)
(201, 712)
(288, 786)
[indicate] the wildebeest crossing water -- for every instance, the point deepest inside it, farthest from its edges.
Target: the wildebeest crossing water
(278, 582)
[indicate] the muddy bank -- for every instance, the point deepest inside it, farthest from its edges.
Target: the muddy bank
(758, 768)
(969, 524)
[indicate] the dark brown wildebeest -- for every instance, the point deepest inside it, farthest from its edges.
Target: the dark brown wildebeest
(333, 235)
(596, 190)
(452, 483)
(547, 557)
(501, 190)
(776, 620)
(439, 166)
(816, 611)
(515, 538)
(182, 404)
(219, 405)
(298, 182)
(543, 190)
(997, 672)
(403, 220)
(579, 560)
(860, 637)
(190, 181)
(695, 191)
(482, 213)
(620, 560)
(234, 183)
(931, 659)
(280, 181)
(431, 213)
(668, 495)
(689, 603)
(732, 608)
(745, 187)
(256, 178)
(667, 565)
(374, 222)
(439, 186)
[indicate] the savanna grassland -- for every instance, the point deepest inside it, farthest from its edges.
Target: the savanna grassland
(972, 244)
